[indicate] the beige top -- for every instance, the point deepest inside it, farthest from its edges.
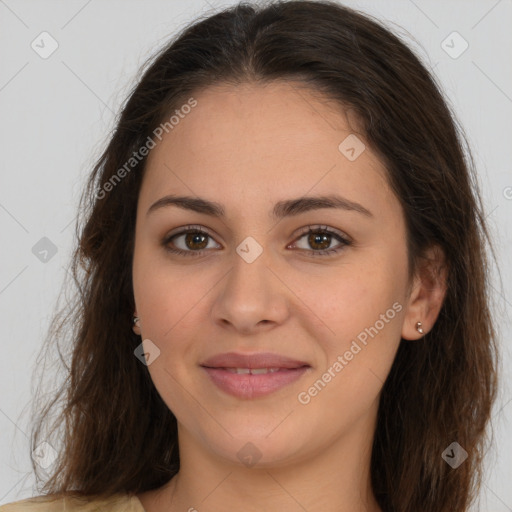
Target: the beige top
(116, 503)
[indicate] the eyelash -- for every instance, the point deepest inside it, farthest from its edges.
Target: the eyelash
(308, 230)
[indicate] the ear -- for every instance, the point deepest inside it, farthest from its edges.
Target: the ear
(136, 324)
(427, 294)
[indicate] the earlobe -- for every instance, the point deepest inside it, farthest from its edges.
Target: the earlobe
(136, 324)
(427, 295)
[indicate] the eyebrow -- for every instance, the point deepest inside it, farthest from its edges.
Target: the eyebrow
(286, 208)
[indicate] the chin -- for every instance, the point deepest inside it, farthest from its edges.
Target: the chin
(260, 453)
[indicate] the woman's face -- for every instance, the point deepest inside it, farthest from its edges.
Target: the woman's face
(324, 311)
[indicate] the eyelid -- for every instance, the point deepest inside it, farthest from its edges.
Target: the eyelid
(189, 227)
(184, 230)
(323, 228)
(344, 240)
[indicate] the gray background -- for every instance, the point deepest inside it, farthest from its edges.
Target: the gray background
(57, 112)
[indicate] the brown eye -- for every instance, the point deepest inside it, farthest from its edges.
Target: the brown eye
(196, 240)
(190, 242)
(318, 241)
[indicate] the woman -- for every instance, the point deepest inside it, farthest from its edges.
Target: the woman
(283, 291)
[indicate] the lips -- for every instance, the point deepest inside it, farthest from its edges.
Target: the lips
(260, 360)
(250, 376)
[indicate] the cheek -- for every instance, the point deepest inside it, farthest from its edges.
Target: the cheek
(169, 309)
(364, 312)
(354, 296)
(168, 303)
(165, 295)
(358, 357)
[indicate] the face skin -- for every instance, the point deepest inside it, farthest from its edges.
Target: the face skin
(248, 148)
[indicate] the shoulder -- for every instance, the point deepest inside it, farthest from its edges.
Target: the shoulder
(115, 503)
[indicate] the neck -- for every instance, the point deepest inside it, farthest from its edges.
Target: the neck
(336, 479)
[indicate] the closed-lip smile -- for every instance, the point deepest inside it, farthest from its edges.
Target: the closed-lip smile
(255, 375)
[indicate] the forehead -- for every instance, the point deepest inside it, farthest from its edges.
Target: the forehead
(268, 119)
(262, 141)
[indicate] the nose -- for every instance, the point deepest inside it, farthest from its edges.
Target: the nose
(251, 298)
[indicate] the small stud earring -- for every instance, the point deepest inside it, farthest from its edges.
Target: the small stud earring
(136, 325)
(419, 327)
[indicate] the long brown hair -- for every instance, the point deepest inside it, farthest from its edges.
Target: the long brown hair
(117, 434)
